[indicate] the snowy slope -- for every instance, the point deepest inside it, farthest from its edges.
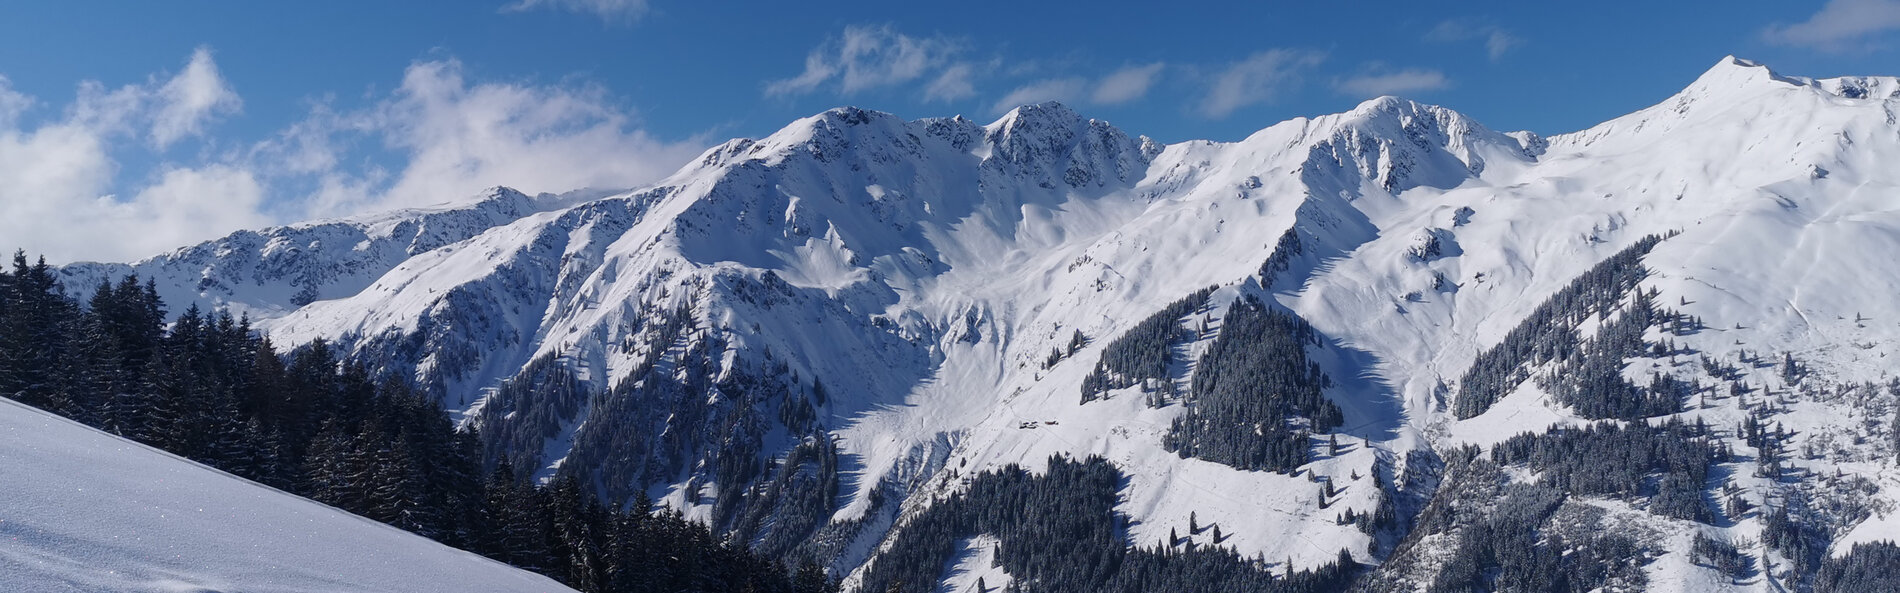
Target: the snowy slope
(86, 511)
(923, 270)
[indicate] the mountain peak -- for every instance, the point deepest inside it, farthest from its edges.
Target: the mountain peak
(1048, 137)
(850, 115)
(1732, 72)
(1046, 109)
(1734, 91)
(1036, 118)
(1381, 103)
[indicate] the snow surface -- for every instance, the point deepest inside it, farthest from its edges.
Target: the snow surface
(975, 564)
(87, 511)
(929, 266)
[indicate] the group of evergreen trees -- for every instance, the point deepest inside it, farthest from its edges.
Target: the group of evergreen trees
(1866, 567)
(1668, 463)
(1589, 378)
(1255, 398)
(1721, 555)
(1143, 354)
(1284, 250)
(1515, 548)
(1059, 353)
(1549, 334)
(209, 389)
(1798, 533)
(1059, 532)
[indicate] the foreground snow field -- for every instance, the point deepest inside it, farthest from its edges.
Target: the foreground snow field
(82, 510)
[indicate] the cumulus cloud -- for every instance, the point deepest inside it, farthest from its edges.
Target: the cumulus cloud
(456, 137)
(437, 137)
(613, 12)
(57, 199)
(1497, 40)
(1840, 25)
(872, 57)
(187, 204)
(460, 137)
(12, 104)
(1409, 80)
(1257, 79)
(188, 100)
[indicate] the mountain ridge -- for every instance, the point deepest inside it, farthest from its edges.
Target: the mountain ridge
(927, 294)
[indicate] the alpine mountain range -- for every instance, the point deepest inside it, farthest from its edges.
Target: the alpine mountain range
(1389, 349)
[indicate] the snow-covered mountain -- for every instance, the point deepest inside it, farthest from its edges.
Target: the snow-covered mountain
(93, 512)
(267, 273)
(809, 339)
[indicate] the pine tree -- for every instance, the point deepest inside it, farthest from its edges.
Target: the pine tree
(37, 319)
(811, 578)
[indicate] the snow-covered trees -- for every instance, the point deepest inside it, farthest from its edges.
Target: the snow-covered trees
(1284, 250)
(1590, 377)
(1142, 355)
(1255, 397)
(1866, 567)
(1510, 551)
(1721, 555)
(1059, 532)
(1611, 460)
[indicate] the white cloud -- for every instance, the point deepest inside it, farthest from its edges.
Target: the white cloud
(456, 138)
(188, 204)
(57, 198)
(191, 98)
(867, 57)
(65, 197)
(1497, 40)
(954, 83)
(1121, 86)
(613, 12)
(12, 104)
(1840, 25)
(462, 137)
(1257, 79)
(818, 69)
(1126, 84)
(872, 57)
(1059, 89)
(1409, 80)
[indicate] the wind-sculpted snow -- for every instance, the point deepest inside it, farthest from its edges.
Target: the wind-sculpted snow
(896, 289)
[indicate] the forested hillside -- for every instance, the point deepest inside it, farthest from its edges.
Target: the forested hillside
(208, 388)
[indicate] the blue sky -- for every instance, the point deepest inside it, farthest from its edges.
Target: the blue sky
(127, 128)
